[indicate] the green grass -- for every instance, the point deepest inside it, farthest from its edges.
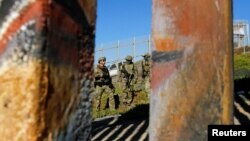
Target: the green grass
(141, 98)
(241, 66)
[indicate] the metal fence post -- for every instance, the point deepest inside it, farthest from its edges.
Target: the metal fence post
(149, 44)
(248, 34)
(131, 44)
(134, 54)
(101, 50)
(118, 52)
(46, 86)
(192, 68)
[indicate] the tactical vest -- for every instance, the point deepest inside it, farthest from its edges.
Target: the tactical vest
(105, 73)
(130, 68)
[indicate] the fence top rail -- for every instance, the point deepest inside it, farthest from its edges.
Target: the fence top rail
(122, 60)
(124, 42)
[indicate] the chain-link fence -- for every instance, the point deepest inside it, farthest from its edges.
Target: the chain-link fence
(115, 52)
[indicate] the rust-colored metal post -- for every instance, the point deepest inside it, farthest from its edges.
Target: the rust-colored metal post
(192, 68)
(46, 66)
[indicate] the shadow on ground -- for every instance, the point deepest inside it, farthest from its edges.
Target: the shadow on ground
(140, 111)
(137, 113)
(131, 125)
(242, 101)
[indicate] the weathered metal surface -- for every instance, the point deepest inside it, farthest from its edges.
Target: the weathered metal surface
(192, 68)
(46, 58)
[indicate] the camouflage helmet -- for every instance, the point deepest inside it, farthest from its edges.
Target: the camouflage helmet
(101, 59)
(129, 58)
(147, 55)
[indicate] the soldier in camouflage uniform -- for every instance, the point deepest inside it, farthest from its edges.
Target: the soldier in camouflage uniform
(146, 64)
(103, 85)
(129, 75)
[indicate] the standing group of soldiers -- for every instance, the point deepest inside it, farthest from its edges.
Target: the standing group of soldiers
(129, 77)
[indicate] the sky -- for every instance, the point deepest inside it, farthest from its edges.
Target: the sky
(241, 10)
(122, 19)
(125, 19)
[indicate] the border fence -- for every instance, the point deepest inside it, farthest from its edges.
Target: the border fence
(115, 52)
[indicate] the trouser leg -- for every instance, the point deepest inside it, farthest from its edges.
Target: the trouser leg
(110, 95)
(99, 92)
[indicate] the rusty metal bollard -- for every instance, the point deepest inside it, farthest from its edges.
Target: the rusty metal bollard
(192, 68)
(46, 59)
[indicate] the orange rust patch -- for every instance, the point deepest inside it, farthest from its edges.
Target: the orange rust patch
(165, 44)
(20, 90)
(195, 20)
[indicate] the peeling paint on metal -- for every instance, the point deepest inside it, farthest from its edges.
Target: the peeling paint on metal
(46, 59)
(192, 69)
